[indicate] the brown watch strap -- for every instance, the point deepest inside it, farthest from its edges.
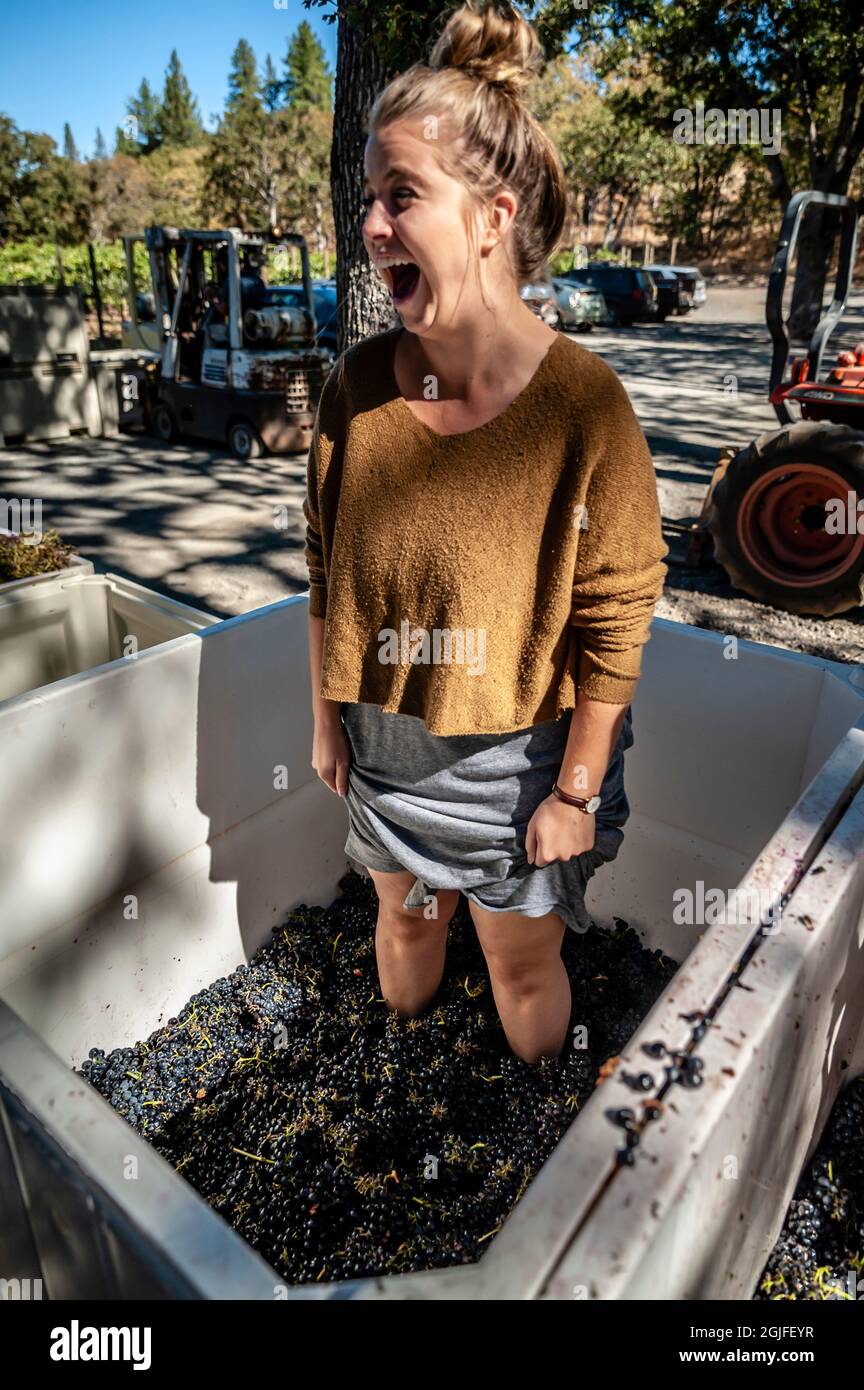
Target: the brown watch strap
(579, 801)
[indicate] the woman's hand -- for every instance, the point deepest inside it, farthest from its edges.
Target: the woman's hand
(331, 752)
(557, 831)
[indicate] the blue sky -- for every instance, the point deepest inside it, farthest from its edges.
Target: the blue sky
(80, 61)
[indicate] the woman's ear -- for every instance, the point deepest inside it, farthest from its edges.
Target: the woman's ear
(500, 215)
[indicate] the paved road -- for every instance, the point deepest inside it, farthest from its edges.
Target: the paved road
(228, 537)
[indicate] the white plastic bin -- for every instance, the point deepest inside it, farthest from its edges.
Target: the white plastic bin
(744, 772)
(61, 624)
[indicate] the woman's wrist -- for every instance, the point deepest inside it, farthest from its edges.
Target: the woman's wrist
(594, 730)
(588, 805)
(326, 713)
(578, 780)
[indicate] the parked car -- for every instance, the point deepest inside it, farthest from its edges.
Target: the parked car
(670, 293)
(580, 306)
(541, 297)
(629, 291)
(324, 299)
(692, 285)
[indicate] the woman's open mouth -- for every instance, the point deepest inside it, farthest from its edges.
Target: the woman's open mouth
(402, 278)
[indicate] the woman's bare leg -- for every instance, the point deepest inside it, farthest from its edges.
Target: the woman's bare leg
(530, 984)
(410, 948)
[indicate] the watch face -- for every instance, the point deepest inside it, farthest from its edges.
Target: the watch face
(593, 805)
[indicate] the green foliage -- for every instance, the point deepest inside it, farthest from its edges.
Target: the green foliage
(805, 60)
(123, 143)
(39, 191)
(271, 87)
(565, 261)
(142, 124)
(179, 122)
(268, 165)
(35, 263)
(400, 31)
(308, 80)
(244, 88)
(282, 271)
(70, 149)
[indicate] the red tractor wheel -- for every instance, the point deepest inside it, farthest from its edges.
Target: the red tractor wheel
(768, 518)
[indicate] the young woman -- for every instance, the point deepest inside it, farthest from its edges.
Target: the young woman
(484, 550)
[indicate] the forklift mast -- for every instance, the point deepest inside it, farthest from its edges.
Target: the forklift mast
(238, 360)
(174, 287)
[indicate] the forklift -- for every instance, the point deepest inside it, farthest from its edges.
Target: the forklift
(786, 514)
(237, 358)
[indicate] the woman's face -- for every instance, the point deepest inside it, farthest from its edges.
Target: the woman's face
(416, 213)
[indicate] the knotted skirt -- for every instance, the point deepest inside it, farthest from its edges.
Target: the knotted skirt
(453, 810)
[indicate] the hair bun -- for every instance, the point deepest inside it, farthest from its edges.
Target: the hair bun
(492, 42)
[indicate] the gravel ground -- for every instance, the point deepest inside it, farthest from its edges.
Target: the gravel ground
(706, 599)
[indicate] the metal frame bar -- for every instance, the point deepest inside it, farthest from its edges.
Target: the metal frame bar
(786, 244)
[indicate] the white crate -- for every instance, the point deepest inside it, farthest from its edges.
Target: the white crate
(160, 778)
(65, 623)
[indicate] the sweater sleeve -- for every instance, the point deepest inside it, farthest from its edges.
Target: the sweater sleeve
(314, 550)
(619, 569)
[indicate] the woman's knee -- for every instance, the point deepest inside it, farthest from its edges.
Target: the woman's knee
(520, 978)
(521, 954)
(408, 922)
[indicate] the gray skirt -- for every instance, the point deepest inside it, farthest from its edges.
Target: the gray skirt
(453, 810)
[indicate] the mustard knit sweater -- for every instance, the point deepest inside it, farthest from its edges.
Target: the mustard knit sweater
(478, 580)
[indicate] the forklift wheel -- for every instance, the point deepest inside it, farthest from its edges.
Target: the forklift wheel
(768, 517)
(244, 441)
(165, 424)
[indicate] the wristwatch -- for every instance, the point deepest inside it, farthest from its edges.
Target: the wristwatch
(588, 804)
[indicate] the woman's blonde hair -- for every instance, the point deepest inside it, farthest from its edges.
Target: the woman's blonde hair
(485, 58)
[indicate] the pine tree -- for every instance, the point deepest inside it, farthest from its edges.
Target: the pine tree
(70, 149)
(123, 144)
(142, 122)
(179, 122)
(100, 150)
(244, 88)
(272, 87)
(308, 80)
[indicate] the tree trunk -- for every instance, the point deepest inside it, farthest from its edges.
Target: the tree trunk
(365, 306)
(609, 228)
(625, 211)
